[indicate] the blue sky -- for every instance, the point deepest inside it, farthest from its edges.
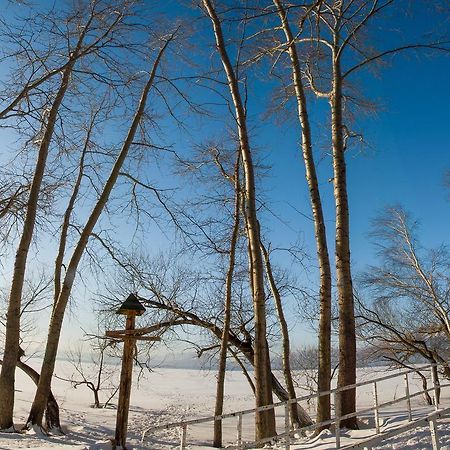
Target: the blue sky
(408, 153)
(404, 162)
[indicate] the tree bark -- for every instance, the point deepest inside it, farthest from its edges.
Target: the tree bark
(48, 364)
(347, 334)
(265, 420)
(52, 421)
(217, 441)
(12, 335)
(286, 347)
(190, 318)
(324, 363)
(52, 409)
(96, 399)
(438, 385)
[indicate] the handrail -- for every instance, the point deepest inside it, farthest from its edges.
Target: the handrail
(377, 440)
(336, 419)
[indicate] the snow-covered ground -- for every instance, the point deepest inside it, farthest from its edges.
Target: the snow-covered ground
(170, 395)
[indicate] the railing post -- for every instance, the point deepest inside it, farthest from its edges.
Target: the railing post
(434, 434)
(239, 431)
(287, 426)
(408, 397)
(183, 437)
(435, 386)
(375, 404)
(337, 418)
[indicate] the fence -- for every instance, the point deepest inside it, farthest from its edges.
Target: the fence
(374, 410)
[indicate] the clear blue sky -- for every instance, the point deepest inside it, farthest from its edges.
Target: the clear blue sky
(404, 163)
(408, 153)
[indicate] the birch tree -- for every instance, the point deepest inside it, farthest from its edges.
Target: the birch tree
(265, 420)
(407, 315)
(324, 347)
(85, 36)
(48, 364)
(335, 38)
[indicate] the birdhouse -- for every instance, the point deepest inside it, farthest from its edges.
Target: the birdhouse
(131, 307)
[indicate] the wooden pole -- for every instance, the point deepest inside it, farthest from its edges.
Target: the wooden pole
(376, 410)
(125, 386)
(408, 398)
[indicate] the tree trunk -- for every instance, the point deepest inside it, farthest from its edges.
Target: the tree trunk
(188, 317)
(48, 364)
(286, 347)
(59, 260)
(11, 354)
(324, 363)
(438, 385)
(217, 441)
(52, 409)
(347, 335)
(12, 335)
(265, 420)
(426, 395)
(96, 399)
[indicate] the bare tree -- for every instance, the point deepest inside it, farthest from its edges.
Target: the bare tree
(37, 409)
(91, 32)
(13, 325)
(179, 317)
(52, 421)
(286, 346)
(217, 442)
(174, 295)
(35, 300)
(324, 333)
(408, 315)
(265, 420)
(305, 365)
(98, 377)
(333, 34)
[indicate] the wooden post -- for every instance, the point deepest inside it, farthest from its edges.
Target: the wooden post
(183, 437)
(125, 385)
(130, 308)
(287, 426)
(408, 398)
(376, 411)
(337, 418)
(239, 431)
(434, 435)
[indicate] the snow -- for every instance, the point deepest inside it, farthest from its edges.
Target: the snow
(172, 395)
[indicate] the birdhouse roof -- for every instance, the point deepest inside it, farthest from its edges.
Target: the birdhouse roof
(131, 306)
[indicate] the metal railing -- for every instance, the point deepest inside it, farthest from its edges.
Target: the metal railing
(436, 389)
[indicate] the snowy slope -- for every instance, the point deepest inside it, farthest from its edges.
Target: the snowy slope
(170, 395)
